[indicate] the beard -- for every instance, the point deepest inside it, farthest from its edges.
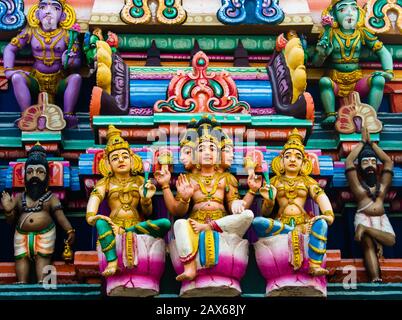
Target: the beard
(35, 188)
(369, 175)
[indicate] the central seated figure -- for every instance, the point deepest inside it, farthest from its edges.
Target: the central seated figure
(208, 251)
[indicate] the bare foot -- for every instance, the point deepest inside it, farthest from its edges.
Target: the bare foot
(198, 227)
(111, 269)
(316, 270)
(186, 275)
(189, 272)
(376, 280)
(359, 232)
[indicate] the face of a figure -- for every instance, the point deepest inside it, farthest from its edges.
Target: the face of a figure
(346, 13)
(207, 153)
(369, 164)
(37, 171)
(186, 157)
(292, 161)
(49, 13)
(227, 155)
(120, 161)
(36, 180)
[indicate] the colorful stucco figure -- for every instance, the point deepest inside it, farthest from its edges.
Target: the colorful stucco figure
(53, 37)
(129, 198)
(342, 42)
(204, 194)
(291, 187)
(373, 229)
(33, 212)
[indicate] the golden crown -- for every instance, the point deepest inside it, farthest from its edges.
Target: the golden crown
(62, 2)
(115, 141)
(295, 141)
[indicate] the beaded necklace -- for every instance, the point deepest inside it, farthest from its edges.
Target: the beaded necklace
(39, 204)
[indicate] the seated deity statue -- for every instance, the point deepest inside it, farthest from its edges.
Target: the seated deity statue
(53, 38)
(129, 198)
(208, 193)
(291, 187)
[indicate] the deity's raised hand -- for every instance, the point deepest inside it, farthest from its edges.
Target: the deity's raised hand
(7, 201)
(264, 191)
(162, 177)
(150, 187)
(254, 182)
(184, 187)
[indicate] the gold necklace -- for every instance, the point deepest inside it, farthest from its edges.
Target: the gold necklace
(202, 181)
(122, 182)
(339, 35)
(48, 35)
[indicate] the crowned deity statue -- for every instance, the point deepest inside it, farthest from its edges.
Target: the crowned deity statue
(342, 41)
(370, 186)
(208, 193)
(53, 38)
(33, 212)
(129, 198)
(291, 187)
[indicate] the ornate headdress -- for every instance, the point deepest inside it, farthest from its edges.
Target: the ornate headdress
(295, 141)
(116, 142)
(205, 130)
(329, 9)
(67, 23)
(190, 136)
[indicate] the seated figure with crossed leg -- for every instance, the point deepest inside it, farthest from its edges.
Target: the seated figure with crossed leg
(373, 228)
(205, 194)
(291, 186)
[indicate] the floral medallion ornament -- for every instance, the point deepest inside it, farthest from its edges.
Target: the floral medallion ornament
(232, 12)
(268, 11)
(378, 17)
(11, 14)
(139, 12)
(250, 12)
(202, 92)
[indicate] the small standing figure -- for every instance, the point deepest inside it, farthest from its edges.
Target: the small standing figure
(53, 39)
(33, 211)
(372, 225)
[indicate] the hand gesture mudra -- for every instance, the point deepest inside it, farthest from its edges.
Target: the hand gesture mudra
(162, 177)
(7, 201)
(150, 187)
(264, 191)
(254, 182)
(184, 188)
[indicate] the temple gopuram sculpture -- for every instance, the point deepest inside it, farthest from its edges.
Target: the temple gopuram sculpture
(34, 212)
(373, 229)
(293, 242)
(209, 242)
(190, 143)
(131, 251)
(53, 37)
(342, 43)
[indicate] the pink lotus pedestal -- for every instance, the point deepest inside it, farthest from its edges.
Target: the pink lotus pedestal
(143, 279)
(272, 255)
(222, 280)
